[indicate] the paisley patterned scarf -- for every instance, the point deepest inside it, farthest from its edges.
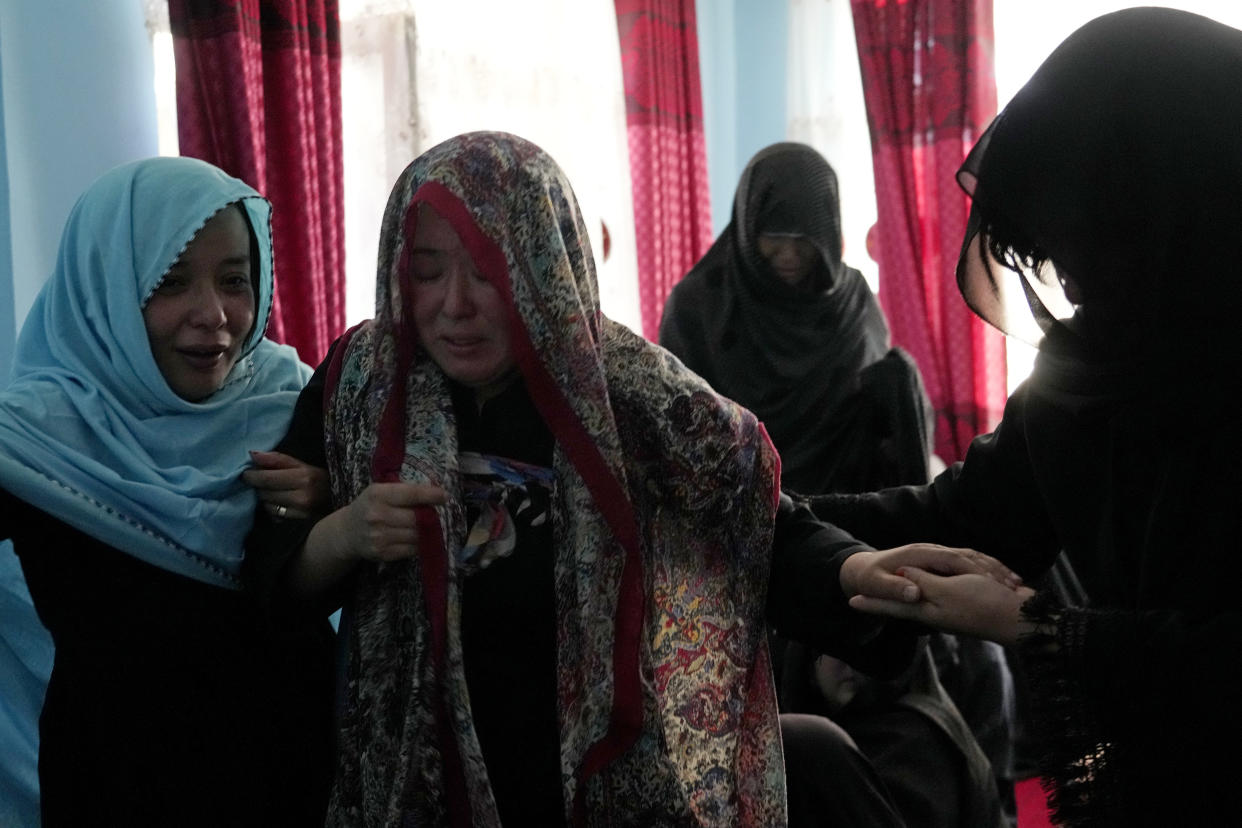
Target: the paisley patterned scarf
(664, 501)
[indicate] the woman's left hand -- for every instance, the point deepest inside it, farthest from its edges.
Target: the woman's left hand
(287, 487)
(973, 604)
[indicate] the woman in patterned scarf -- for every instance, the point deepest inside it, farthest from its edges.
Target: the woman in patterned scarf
(554, 540)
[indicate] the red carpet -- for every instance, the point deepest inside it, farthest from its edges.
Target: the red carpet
(1032, 806)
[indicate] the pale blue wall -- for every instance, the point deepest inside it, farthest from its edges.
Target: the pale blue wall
(718, 76)
(742, 52)
(78, 98)
(762, 47)
(8, 321)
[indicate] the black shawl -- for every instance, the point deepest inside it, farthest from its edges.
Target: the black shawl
(1120, 161)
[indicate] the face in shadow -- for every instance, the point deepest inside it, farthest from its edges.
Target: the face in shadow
(792, 257)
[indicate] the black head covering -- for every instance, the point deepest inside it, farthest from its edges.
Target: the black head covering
(787, 188)
(792, 355)
(1120, 161)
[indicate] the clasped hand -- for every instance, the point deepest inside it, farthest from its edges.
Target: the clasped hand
(958, 590)
(380, 523)
(286, 486)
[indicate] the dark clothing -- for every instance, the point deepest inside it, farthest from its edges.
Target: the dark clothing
(829, 780)
(508, 628)
(171, 702)
(508, 609)
(1147, 515)
(1118, 163)
(980, 680)
(944, 767)
(810, 391)
(910, 731)
(809, 360)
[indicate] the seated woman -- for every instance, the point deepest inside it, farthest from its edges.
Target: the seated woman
(141, 378)
(553, 541)
(1110, 185)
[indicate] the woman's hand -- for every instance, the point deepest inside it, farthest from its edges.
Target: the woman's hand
(879, 573)
(378, 525)
(972, 603)
(287, 487)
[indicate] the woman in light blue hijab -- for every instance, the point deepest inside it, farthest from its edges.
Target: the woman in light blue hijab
(142, 381)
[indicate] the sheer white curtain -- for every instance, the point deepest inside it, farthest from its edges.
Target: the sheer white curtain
(824, 108)
(156, 14)
(416, 72)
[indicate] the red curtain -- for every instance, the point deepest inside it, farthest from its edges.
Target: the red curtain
(928, 82)
(668, 153)
(259, 95)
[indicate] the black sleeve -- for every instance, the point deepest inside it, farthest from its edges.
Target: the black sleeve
(681, 331)
(273, 541)
(989, 502)
(893, 390)
(806, 604)
(892, 517)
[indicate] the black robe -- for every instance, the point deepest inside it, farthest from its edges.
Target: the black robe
(812, 361)
(170, 702)
(1143, 684)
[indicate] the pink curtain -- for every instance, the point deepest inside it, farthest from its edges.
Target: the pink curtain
(928, 82)
(259, 95)
(668, 154)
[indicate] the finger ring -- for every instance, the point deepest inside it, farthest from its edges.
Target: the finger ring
(281, 511)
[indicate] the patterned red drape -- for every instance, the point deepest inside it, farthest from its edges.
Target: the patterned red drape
(668, 153)
(259, 95)
(928, 82)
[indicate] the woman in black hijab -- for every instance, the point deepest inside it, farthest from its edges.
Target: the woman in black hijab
(1113, 184)
(773, 319)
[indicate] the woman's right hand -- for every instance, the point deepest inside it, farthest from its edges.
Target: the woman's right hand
(378, 525)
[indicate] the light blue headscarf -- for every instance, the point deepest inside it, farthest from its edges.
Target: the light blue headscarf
(90, 431)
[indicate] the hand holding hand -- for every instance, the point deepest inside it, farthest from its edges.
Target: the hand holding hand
(971, 603)
(286, 486)
(879, 573)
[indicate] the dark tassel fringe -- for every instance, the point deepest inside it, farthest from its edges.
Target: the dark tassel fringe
(1077, 764)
